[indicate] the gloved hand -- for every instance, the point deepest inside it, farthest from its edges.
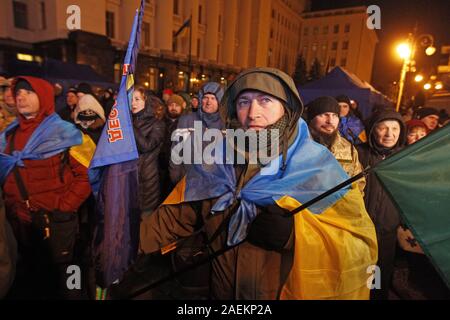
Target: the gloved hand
(271, 228)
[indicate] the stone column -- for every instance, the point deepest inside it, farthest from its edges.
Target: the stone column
(229, 31)
(164, 24)
(244, 33)
(212, 29)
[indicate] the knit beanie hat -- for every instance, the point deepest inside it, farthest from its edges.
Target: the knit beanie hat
(322, 105)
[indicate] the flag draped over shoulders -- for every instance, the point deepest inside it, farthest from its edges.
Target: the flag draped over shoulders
(50, 138)
(335, 240)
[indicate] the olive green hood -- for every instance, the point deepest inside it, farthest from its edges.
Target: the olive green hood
(262, 79)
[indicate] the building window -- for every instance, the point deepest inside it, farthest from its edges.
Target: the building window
(176, 10)
(315, 31)
(146, 34)
(314, 47)
(325, 30)
(273, 13)
(343, 62)
(271, 33)
(336, 28)
(20, 11)
(334, 45)
(43, 16)
(200, 14)
(345, 45)
(220, 23)
(199, 43)
(305, 31)
(332, 62)
(347, 28)
(110, 24)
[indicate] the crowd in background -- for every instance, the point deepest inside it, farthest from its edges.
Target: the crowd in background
(334, 122)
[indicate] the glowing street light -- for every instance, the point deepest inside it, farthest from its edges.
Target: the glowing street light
(404, 50)
(418, 78)
(407, 51)
(430, 50)
(438, 86)
(427, 86)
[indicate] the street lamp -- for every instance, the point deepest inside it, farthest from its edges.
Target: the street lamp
(418, 78)
(427, 86)
(407, 52)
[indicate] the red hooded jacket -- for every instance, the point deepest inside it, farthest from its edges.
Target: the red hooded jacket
(51, 185)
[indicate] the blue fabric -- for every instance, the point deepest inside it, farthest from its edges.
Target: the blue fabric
(339, 81)
(311, 170)
(113, 175)
(350, 128)
(50, 138)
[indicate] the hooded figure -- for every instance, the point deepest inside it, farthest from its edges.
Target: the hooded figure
(90, 117)
(246, 204)
(378, 202)
(186, 125)
(49, 155)
(351, 127)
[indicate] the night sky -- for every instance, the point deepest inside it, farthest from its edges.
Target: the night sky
(398, 18)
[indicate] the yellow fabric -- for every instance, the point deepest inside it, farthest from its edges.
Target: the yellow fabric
(362, 136)
(332, 251)
(84, 152)
(177, 194)
(130, 81)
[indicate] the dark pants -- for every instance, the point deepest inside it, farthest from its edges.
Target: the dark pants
(39, 275)
(387, 244)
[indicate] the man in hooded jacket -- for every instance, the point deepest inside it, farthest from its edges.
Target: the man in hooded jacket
(207, 116)
(386, 136)
(43, 162)
(273, 255)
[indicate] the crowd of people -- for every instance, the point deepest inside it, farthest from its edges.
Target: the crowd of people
(47, 217)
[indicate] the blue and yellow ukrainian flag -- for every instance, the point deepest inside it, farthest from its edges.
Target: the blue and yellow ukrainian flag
(335, 239)
(114, 178)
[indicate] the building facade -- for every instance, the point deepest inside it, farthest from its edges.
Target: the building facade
(222, 38)
(339, 37)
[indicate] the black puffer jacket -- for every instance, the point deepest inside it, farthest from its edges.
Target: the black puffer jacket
(149, 133)
(378, 203)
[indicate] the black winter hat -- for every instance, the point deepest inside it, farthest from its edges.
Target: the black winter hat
(322, 105)
(22, 84)
(425, 112)
(343, 98)
(85, 88)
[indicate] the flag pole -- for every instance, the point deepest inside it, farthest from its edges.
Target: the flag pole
(190, 56)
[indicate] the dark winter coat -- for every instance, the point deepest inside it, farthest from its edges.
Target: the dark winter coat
(8, 252)
(378, 203)
(164, 157)
(51, 185)
(186, 126)
(149, 134)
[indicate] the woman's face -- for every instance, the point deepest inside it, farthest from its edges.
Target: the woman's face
(138, 102)
(415, 134)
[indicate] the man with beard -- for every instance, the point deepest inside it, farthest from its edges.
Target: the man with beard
(323, 122)
(174, 112)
